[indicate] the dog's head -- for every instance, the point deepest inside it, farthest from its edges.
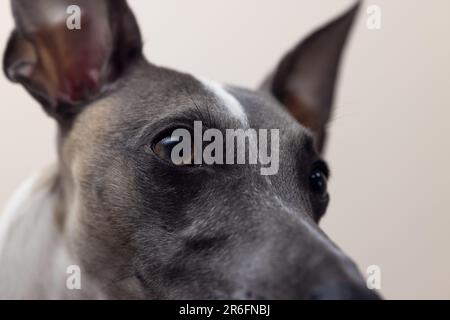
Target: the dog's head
(143, 225)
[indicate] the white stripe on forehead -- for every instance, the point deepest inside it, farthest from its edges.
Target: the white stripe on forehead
(229, 101)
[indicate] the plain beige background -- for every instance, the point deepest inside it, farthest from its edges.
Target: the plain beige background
(389, 148)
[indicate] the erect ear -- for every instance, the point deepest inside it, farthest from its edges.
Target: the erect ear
(65, 60)
(305, 79)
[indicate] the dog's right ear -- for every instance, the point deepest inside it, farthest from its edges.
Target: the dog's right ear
(63, 67)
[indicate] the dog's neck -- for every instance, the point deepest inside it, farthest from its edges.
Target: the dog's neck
(30, 225)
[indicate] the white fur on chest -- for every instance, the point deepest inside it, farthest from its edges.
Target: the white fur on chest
(32, 250)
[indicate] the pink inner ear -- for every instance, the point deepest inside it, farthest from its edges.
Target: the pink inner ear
(72, 63)
(81, 78)
(79, 58)
(64, 67)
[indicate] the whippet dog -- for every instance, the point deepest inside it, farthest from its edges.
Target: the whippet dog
(137, 223)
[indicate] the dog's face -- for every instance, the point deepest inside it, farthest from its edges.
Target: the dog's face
(145, 226)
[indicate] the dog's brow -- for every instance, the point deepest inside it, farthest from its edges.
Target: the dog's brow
(308, 143)
(149, 129)
(233, 106)
(308, 147)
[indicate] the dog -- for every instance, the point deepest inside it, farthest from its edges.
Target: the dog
(139, 226)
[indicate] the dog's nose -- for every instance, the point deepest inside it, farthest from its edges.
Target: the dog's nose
(343, 292)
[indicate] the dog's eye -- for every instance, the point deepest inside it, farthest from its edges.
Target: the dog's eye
(163, 149)
(318, 182)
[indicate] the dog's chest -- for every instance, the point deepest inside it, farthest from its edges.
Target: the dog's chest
(32, 251)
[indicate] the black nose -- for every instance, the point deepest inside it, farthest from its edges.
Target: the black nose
(343, 292)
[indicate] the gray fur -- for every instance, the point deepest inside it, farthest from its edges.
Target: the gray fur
(142, 228)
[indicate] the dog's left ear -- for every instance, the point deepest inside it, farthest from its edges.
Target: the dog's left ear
(67, 52)
(305, 79)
